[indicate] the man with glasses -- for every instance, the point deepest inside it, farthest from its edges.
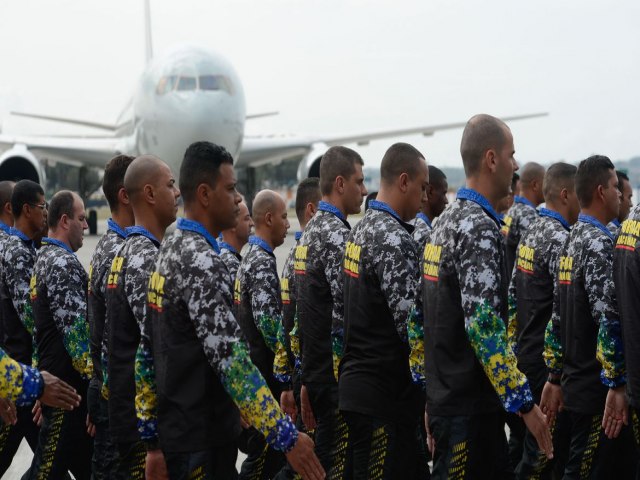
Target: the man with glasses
(16, 265)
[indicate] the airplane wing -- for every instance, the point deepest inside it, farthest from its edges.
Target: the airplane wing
(76, 151)
(261, 150)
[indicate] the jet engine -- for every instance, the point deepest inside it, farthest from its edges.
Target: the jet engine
(18, 163)
(310, 163)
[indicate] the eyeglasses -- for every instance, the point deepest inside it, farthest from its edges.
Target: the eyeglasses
(42, 206)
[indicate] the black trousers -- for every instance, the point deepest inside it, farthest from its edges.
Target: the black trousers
(11, 436)
(104, 464)
(470, 447)
(63, 445)
(262, 462)
(331, 434)
(381, 449)
(589, 449)
(131, 460)
(218, 463)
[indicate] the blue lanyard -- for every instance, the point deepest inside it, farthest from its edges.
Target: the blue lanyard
(616, 222)
(425, 219)
(524, 201)
(57, 243)
(327, 207)
(138, 230)
(596, 223)
(545, 212)
(111, 225)
(5, 228)
(472, 195)
(18, 233)
(197, 227)
(383, 207)
(298, 236)
(255, 240)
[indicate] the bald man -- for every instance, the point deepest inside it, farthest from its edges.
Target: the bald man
(233, 239)
(523, 211)
(153, 195)
(257, 298)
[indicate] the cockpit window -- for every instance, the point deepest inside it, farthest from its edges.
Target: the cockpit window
(187, 83)
(208, 83)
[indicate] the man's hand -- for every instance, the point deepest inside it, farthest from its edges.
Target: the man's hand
(552, 401)
(37, 413)
(58, 394)
(8, 412)
(288, 404)
(304, 461)
(615, 412)
(536, 422)
(308, 418)
(155, 468)
(431, 443)
(91, 428)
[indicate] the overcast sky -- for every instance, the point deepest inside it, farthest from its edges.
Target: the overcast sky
(347, 66)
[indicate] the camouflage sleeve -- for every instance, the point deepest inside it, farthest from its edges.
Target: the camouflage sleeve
(399, 275)
(512, 326)
(18, 266)
(598, 278)
(146, 396)
(333, 255)
(479, 277)
(67, 284)
(208, 299)
(552, 352)
(19, 383)
(415, 334)
(267, 313)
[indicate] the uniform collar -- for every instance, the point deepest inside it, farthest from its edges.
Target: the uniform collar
(255, 240)
(227, 246)
(616, 222)
(425, 219)
(57, 243)
(138, 230)
(20, 234)
(472, 195)
(114, 227)
(384, 207)
(545, 212)
(298, 236)
(523, 201)
(327, 207)
(5, 228)
(596, 223)
(197, 227)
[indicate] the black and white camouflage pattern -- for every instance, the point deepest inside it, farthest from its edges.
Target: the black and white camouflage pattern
(289, 305)
(232, 261)
(191, 267)
(99, 268)
(614, 228)
(522, 216)
(421, 233)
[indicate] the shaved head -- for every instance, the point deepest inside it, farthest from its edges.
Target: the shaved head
(6, 190)
(266, 201)
(144, 170)
(559, 176)
(531, 171)
(482, 132)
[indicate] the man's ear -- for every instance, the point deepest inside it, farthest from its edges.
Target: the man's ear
(149, 194)
(312, 208)
(339, 184)
(203, 194)
(564, 196)
(403, 182)
(490, 159)
(268, 219)
(123, 197)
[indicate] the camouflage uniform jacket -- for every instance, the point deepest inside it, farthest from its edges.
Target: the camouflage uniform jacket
(19, 256)
(289, 296)
(614, 227)
(521, 214)
(626, 275)
(231, 258)
(593, 358)
(423, 228)
(467, 356)
(59, 298)
(381, 281)
(99, 268)
(531, 292)
(259, 313)
(5, 236)
(319, 280)
(131, 375)
(191, 303)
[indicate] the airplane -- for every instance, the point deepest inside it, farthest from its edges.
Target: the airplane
(186, 95)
